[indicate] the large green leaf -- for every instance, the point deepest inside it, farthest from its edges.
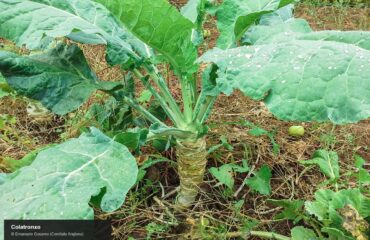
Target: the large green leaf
(160, 25)
(278, 24)
(304, 80)
(235, 17)
(282, 26)
(62, 179)
(34, 22)
(299, 29)
(262, 34)
(60, 78)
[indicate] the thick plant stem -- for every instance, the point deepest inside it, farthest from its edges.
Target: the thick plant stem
(191, 159)
(267, 235)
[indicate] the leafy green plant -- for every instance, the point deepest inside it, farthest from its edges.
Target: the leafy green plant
(260, 182)
(328, 163)
(339, 214)
(263, 51)
(225, 173)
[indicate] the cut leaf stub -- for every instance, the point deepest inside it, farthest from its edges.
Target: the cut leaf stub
(302, 80)
(62, 179)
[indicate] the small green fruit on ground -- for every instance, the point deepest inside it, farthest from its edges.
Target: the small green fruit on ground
(296, 131)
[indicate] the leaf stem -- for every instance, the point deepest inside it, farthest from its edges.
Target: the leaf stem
(169, 111)
(205, 106)
(165, 93)
(142, 110)
(311, 222)
(188, 90)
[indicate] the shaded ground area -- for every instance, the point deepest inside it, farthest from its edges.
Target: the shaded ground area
(149, 211)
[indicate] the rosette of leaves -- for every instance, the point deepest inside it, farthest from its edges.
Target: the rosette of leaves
(267, 54)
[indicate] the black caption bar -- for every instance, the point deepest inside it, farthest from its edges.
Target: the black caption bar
(57, 230)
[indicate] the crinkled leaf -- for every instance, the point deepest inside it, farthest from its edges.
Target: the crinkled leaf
(292, 209)
(48, 18)
(261, 181)
(327, 161)
(287, 30)
(234, 17)
(272, 29)
(302, 80)
(60, 78)
(62, 179)
(302, 233)
(357, 38)
(34, 22)
(161, 26)
(327, 202)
